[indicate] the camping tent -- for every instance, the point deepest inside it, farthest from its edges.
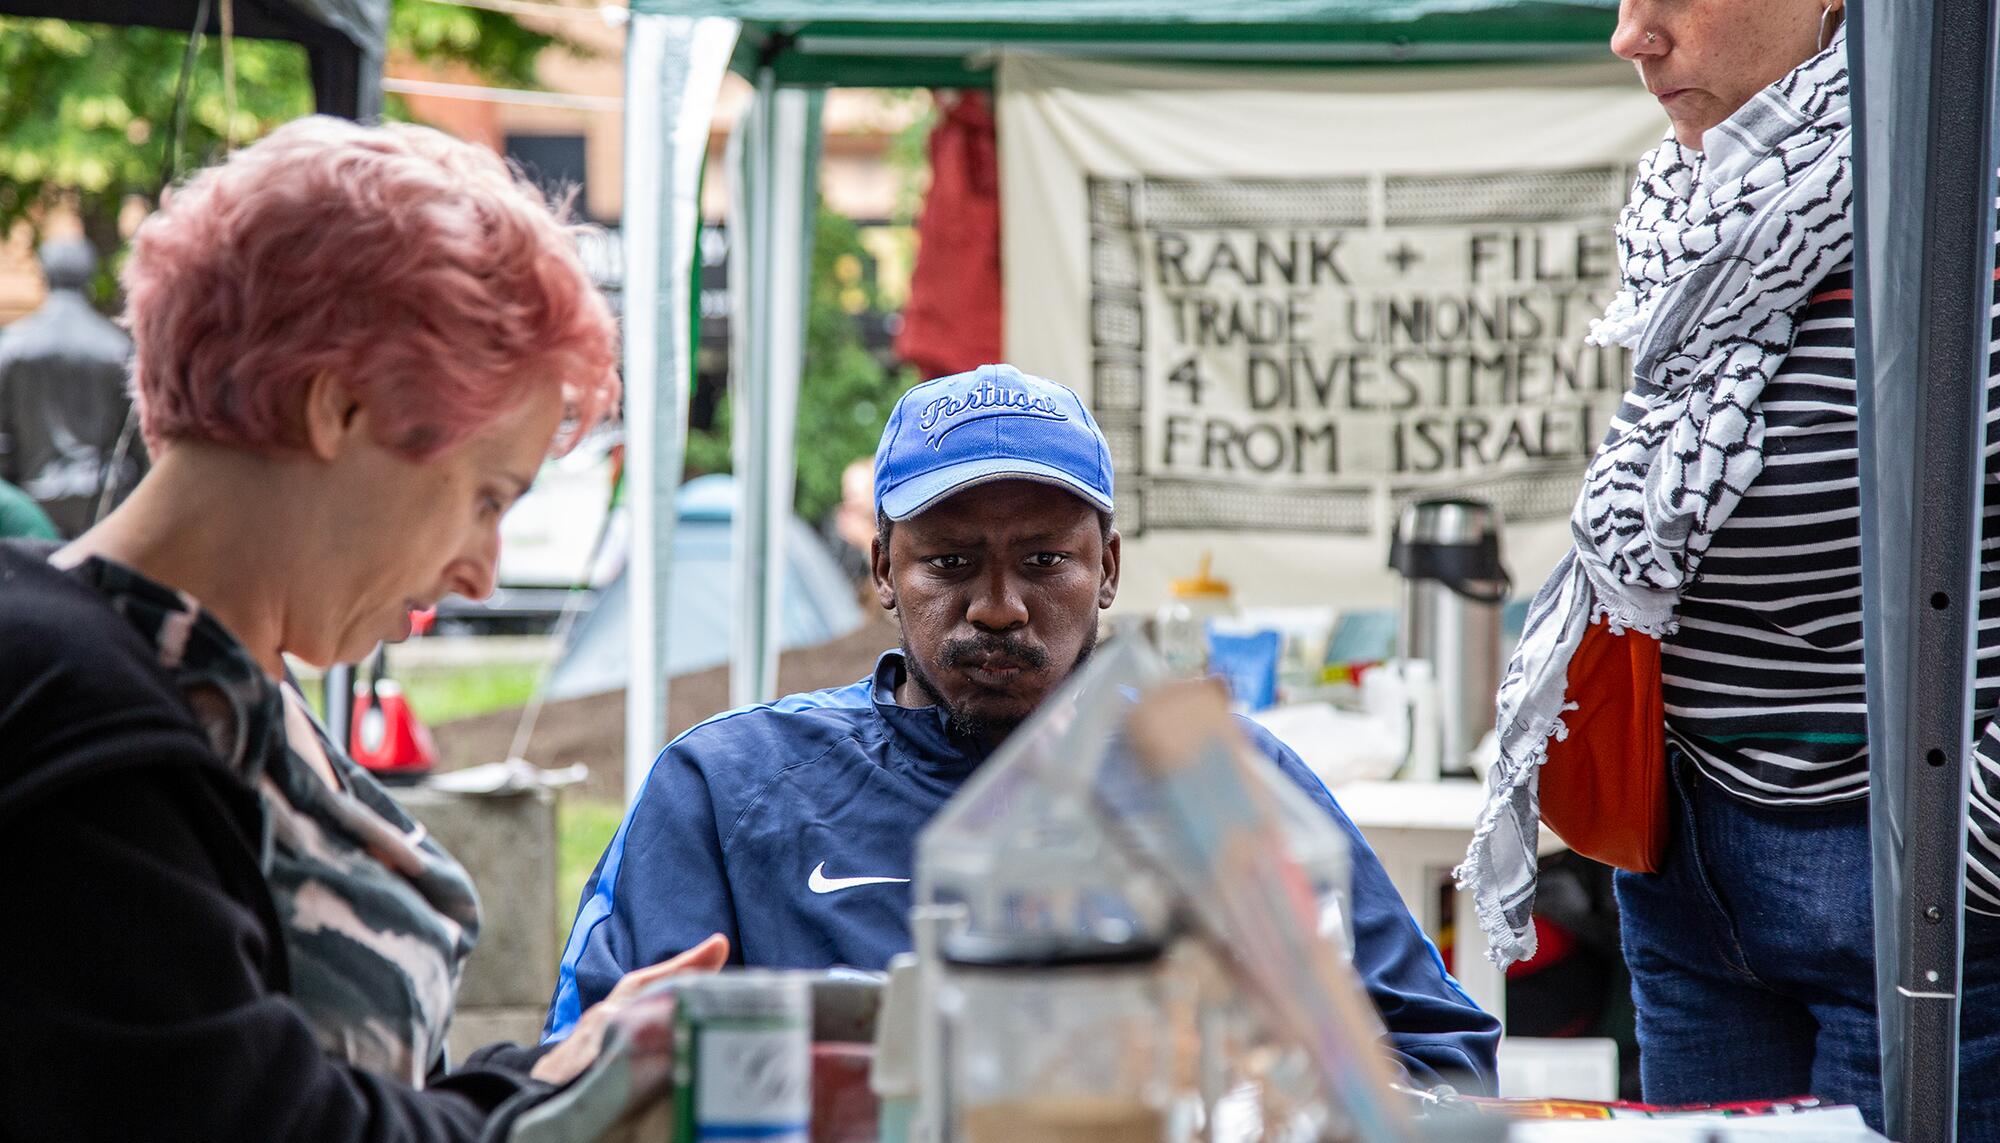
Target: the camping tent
(343, 39)
(1926, 319)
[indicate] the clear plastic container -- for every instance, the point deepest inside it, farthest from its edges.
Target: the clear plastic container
(1320, 848)
(1027, 846)
(1021, 847)
(1061, 1040)
(1044, 848)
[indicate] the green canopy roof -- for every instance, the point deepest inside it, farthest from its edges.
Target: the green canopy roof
(950, 43)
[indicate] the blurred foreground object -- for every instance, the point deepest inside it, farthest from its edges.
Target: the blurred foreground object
(1164, 909)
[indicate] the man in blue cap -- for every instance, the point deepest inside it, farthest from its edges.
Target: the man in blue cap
(790, 827)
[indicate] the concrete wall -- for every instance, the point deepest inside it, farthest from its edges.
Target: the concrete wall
(507, 843)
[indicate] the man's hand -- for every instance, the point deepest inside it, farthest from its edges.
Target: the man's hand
(568, 1059)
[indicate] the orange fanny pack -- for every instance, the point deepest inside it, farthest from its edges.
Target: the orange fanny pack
(1604, 786)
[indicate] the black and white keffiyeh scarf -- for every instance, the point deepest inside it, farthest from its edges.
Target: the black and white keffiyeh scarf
(1720, 250)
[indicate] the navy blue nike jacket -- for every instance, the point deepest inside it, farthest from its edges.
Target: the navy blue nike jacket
(791, 828)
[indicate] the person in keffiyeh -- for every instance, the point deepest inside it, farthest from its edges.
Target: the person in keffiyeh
(1720, 519)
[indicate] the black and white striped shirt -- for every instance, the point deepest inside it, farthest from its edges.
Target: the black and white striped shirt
(1763, 681)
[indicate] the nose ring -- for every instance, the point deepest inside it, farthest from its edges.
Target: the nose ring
(1652, 36)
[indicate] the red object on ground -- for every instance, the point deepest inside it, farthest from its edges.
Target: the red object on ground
(386, 738)
(952, 322)
(844, 1109)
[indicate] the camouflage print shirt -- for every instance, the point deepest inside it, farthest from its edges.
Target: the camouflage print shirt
(378, 919)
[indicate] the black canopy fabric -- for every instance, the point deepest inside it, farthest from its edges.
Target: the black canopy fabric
(343, 39)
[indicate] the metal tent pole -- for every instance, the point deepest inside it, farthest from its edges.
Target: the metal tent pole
(337, 701)
(347, 81)
(674, 68)
(1923, 94)
(773, 200)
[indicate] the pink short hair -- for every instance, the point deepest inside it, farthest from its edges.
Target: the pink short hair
(411, 266)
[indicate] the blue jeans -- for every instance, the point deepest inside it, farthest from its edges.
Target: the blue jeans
(1752, 954)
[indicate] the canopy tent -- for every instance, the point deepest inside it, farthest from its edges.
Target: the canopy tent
(677, 54)
(343, 39)
(1920, 504)
(880, 43)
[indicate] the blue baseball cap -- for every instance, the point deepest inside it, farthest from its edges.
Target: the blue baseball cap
(994, 423)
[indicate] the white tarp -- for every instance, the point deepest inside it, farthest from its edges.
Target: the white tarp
(1298, 298)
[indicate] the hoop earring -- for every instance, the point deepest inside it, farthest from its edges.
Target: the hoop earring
(1836, 13)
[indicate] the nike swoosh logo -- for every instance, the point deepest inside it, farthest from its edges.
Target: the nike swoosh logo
(819, 882)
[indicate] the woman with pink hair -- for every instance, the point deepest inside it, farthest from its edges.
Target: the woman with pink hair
(354, 348)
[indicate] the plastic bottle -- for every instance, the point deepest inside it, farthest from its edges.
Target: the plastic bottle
(1181, 626)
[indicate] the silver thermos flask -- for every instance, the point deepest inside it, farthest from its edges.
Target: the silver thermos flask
(1448, 553)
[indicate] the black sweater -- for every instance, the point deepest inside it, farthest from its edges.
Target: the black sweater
(142, 970)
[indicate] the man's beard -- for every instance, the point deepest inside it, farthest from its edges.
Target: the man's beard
(960, 652)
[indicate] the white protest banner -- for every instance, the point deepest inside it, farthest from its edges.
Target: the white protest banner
(1297, 300)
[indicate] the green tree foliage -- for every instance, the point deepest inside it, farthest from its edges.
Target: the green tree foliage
(86, 109)
(846, 393)
(84, 119)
